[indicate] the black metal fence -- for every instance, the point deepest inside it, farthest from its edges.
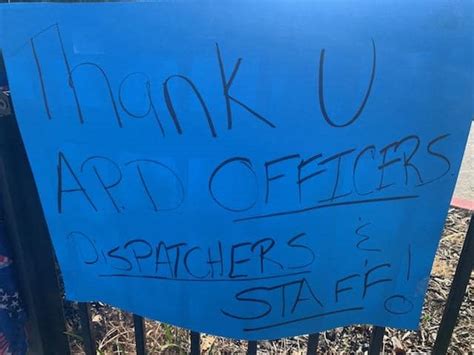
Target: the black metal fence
(40, 280)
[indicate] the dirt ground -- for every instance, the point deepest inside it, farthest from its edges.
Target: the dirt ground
(115, 334)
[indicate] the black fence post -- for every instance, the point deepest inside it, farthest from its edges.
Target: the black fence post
(195, 343)
(34, 256)
(87, 333)
(140, 337)
(252, 348)
(376, 340)
(456, 293)
(313, 341)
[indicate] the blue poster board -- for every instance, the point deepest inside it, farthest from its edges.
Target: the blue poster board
(251, 169)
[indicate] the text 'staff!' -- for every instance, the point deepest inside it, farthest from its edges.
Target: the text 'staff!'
(247, 169)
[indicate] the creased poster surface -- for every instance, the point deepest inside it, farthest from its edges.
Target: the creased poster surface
(252, 169)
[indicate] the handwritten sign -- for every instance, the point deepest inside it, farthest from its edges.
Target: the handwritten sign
(247, 169)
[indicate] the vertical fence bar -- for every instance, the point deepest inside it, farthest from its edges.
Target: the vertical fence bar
(33, 252)
(140, 341)
(456, 293)
(195, 343)
(88, 337)
(252, 348)
(376, 340)
(313, 340)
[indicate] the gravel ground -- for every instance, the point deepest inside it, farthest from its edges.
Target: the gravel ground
(115, 335)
